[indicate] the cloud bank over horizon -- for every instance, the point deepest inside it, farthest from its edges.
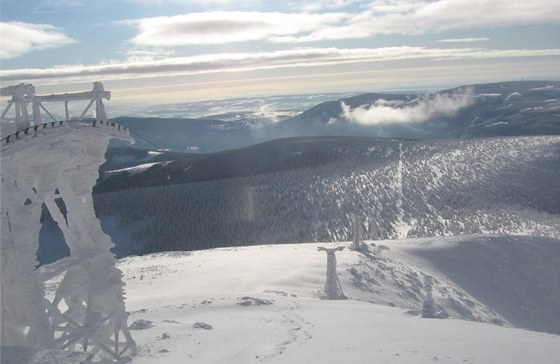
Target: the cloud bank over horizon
(384, 112)
(252, 61)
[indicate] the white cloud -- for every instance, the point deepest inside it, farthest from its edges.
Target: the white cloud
(383, 112)
(199, 2)
(233, 62)
(62, 3)
(147, 55)
(360, 19)
(19, 38)
(318, 5)
(463, 40)
(418, 17)
(415, 17)
(226, 27)
(208, 2)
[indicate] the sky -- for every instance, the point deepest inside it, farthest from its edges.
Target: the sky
(158, 51)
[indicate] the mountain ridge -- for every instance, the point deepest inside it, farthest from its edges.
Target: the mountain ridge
(467, 121)
(494, 109)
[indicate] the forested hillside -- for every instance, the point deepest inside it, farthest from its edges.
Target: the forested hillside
(398, 188)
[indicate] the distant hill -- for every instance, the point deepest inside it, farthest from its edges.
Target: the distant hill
(187, 135)
(269, 157)
(497, 109)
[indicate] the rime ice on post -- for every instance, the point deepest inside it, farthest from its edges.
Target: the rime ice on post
(357, 241)
(87, 312)
(24, 94)
(333, 290)
(428, 309)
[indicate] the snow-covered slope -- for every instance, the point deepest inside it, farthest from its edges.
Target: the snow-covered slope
(306, 189)
(262, 304)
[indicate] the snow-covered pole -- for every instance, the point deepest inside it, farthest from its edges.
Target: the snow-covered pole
(333, 289)
(357, 237)
(428, 306)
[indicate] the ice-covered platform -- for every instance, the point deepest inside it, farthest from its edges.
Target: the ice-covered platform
(56, 166)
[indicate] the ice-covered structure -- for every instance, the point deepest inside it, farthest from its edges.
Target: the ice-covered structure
(357, 239)
(428, 309)
(87, 313)
(24, 94)
(333, 289)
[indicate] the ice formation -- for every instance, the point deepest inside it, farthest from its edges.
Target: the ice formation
(333, 289)
(24, 94)
(428, 309)
(87, 312)
(357, 239)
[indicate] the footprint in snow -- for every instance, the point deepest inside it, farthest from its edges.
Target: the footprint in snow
(141, 325)
(250, 301)
(202, 325)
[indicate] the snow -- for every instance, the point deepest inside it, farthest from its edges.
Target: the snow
(492, 270)
(137, 169)
(262, 304)
(489, 95)
(401, 227)
(86, 308)
(266, 303)
(514, 96)
(15, 354)
(544, 88)
(498, 123)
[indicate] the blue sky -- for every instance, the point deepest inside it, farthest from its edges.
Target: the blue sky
(179, 50)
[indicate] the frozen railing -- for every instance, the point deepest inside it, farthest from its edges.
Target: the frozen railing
(23, 95)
